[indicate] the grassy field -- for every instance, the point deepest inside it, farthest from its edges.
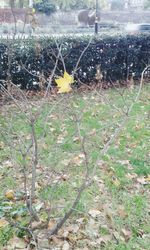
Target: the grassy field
(114, 212)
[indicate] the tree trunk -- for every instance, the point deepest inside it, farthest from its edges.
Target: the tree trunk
(30, 3)
(12, 3)
(21, 3)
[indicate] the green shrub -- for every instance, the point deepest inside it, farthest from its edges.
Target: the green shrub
(118, 57)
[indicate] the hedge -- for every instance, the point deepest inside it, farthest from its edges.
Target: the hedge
(119, 57)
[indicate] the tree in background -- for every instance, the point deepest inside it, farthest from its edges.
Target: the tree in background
(79, 4)
(117, 4)
(147, 4)
(45, 6)
(50, 6)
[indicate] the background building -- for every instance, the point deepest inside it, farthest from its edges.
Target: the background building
(137, 4)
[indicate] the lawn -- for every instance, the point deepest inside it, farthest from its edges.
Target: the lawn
(114, 212)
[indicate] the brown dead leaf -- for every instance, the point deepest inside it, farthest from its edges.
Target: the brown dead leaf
(65, 162)
(94, 212)
(122, 213)
(3, 223)
(131, 176)
(72, 228)
(64, 177)
(124, 162)
(76, 139)
(77, 161)
(103, 240)
(117, 236)
(16, 243)
(51, 224)
(2, 145)
(37, 225)
(66, 246)
(81, 220)
(60, 139)
(8, 164)
(126, 234)
(141, 180)
(56, 240)
(93, 132)
(52, 129)
(109, 215)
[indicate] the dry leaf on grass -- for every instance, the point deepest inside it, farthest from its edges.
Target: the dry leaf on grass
(66, 246)
(16, 243)
(56, 240)
(10, 195)
(72, 228)
(76, 161)
(147, 179)
(141, 180)
(116, 182)
(8, 164)
(51, 224)
(122, 213)
(127, 234)
(103, 240)
(94, 212)
(76, 139)
(3, 223)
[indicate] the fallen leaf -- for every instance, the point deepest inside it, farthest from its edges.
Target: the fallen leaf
(51, 224)
(64, 177)
(141, 180)
(124, 162)
(76, 161)
(2, 145)
(126, 234)
(109, 215)
(122, 213)
(131, 176)
(66, 246)
(8, 164)
(73, 228)
(63, 83)
(16, 243)
(147, 179)
(103, 240)
(76, 139)
(116, 182)
(57, 241)
(65, 162)
(81, 220)
(94, 212)
(3, 223)
(117, 236)
(10, 195)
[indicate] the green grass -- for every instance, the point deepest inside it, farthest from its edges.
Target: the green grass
(58, 152)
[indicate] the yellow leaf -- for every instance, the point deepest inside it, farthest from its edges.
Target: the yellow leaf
(68, 78)
(10, 194)
(64, 83)
(116, 182)
(64, 89)
(148, 179)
